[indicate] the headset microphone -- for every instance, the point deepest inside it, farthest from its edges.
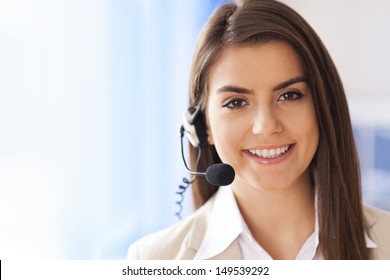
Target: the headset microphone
(219, 174)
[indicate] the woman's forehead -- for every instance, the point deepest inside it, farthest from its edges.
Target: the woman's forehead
(272, 61)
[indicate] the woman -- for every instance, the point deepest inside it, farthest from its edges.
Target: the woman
(273, 107)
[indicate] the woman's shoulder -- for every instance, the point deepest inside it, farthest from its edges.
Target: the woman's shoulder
(378, 229)
(175, 242)
(376, 216)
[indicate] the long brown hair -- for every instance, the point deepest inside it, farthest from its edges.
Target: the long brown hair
(335, 164)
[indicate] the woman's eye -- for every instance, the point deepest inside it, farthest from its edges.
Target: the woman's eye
(235, 104)
(290, 96)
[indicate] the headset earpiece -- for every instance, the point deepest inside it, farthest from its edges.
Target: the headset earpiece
(194, 127)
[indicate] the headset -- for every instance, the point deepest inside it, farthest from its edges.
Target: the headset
(193, 126)
(219, 174)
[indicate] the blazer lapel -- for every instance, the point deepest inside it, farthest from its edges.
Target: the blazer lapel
(233, 252)
(197, 233)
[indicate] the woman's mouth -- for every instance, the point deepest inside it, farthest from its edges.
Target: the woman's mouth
(270, 153)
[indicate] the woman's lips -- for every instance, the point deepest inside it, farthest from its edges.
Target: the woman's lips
(271, 155)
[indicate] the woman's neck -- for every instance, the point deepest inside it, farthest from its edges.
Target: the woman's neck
(280, 220)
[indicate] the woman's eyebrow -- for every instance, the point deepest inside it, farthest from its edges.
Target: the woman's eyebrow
(236, 89)
(298, 79)
(242, 90)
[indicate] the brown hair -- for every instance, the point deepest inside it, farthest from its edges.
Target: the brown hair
(335, 163)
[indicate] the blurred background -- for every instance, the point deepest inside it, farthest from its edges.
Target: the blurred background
(91, 95)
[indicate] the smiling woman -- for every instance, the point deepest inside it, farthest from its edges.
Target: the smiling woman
(276, 113)
(268, 132)
(274, 108)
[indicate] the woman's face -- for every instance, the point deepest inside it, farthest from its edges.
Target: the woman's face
(261, 116)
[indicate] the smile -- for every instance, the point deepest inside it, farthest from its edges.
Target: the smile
(270, 153)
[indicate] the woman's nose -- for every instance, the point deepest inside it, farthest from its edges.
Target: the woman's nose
(266, 122)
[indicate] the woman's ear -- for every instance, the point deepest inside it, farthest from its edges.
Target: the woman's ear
(210, 139)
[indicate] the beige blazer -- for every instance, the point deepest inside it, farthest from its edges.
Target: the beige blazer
(182, 240)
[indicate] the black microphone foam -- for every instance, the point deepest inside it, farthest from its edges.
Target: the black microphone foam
(220, 174)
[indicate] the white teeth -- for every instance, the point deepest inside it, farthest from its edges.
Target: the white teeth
(270, 153)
